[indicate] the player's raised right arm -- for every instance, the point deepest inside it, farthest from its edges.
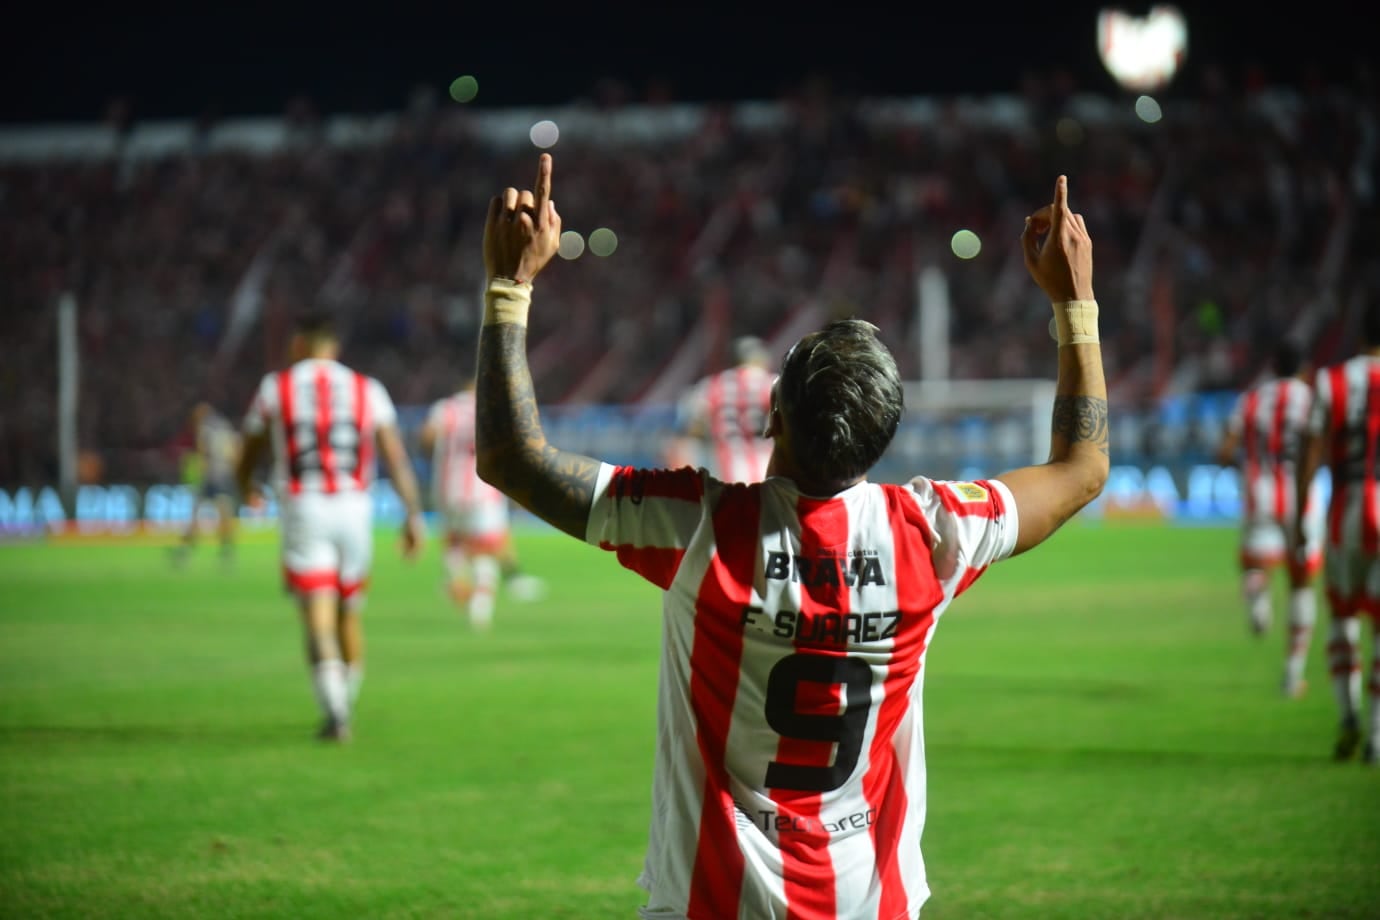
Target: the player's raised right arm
(520, 237)
(1050, 493)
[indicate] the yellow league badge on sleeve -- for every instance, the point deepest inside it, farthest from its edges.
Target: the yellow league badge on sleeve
(970, 492)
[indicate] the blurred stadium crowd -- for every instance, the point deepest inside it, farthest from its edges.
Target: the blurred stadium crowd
(1233, 220)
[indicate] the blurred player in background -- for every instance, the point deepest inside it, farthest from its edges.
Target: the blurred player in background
(1265, 431)
(1344, 432)
(476, 525)
(724, 415)
(217, 450)
(789, 778)
(325, 423)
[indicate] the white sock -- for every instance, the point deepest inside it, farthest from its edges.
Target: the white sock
(1303, 613)
(457, 563)
(486, 573)
(354, 677)
(328, 677)
(1345, 661)
(1255, 586)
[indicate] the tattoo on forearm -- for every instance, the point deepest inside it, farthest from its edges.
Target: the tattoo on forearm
(556, 485)
(1081, 419)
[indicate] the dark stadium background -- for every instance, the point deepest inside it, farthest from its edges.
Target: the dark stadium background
(65, 63)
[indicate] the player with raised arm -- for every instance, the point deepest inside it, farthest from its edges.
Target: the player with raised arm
(1264, 435)
(1344, 432)
(789, 777)
(476, 525)
(217, 446)
(724, 415)
(326, 423)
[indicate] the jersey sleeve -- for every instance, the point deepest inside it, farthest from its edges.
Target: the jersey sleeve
(974, 524)
(381, 407)
(646, 517)
(262, 407)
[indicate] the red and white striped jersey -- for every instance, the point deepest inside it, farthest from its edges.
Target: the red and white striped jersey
(732, 407)
(1270, 418)
(790, 769)
(455, 478)
(1346, 414)
(322, 418)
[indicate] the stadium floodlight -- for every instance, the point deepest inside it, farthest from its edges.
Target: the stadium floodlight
(1142, 53)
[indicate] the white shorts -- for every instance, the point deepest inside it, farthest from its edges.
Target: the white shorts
(1265, 537)
(328, 543)
(1265, 542)
(1353, 581)
(482, 522)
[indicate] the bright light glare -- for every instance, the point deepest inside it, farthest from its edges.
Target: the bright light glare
(965, 244)
(1148, 110)
(603, 242)
(545, 133)
(1142, 52)
(572, 245)
(463, 89)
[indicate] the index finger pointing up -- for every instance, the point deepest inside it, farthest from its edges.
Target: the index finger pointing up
(543, 187)
(1059, 211)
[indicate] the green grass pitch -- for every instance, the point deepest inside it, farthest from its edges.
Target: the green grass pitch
(1104, 741)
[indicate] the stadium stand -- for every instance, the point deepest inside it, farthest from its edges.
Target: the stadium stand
(187, 244)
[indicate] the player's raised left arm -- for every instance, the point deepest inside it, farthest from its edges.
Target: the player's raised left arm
(1048, 494)
(521, 234)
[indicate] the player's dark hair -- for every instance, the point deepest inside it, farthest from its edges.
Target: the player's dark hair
(1288, 358)
(840, 393)
(315, 324)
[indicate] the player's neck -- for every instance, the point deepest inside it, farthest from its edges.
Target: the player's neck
(783, 465)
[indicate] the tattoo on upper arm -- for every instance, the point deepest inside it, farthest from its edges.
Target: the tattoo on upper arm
(1081, 419)
(556, 485)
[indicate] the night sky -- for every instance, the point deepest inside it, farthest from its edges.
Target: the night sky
(61, 63)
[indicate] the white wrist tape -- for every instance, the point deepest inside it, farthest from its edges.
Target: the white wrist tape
(1075, 322)
(507, 301)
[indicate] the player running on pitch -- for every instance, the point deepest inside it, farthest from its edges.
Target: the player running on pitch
(1266, 430)
(217, 446)
(1344, 432)
(326, 423)
(476, 524)
(724, 415)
